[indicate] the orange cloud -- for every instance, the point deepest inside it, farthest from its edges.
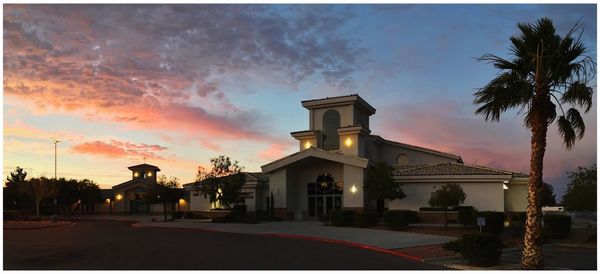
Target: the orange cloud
(115, 148)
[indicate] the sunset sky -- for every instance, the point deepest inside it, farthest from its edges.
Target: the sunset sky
(180, 84)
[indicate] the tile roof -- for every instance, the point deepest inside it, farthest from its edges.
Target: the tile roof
(334, 97)
(450, 169)
(381, 139)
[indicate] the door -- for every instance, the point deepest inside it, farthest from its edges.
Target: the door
(324, 195)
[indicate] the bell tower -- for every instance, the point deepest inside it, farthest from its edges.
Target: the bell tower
(144, 172)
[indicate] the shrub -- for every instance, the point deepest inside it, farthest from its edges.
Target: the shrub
(365, 219)
(466, 215)
(324, 218)
(400, 219)
(177, 214)
(516, 228)
(453, 246)
(238, 213)
(341, 217)
(481, 249)
(557, 226)
(189, 215)
(494, 221)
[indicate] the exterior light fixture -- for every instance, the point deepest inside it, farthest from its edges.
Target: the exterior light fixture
(307, 145)
(108, 200)
(149, 174)
(181, 201)
(135, 174)
(119, 197)
(504, 186)
(353, 189)
(348, 142)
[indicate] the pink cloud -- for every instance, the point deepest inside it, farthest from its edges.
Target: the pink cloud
(115, 148)
(274, 151)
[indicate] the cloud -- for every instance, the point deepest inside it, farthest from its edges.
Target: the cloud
(273, 152)
(162, 66)
(115, 148)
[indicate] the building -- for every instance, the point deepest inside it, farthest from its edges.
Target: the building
(329, 169)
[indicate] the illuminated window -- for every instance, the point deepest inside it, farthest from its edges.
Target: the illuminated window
(331, 123)
(135, 174)
(149, 174)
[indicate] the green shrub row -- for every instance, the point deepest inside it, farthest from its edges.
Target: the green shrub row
(557, 226)
(494, 221)
(400, 219)
(479, 249)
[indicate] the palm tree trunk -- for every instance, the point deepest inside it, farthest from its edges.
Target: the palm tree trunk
(533, 257)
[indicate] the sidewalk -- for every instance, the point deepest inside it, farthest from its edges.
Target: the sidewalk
(372, 237)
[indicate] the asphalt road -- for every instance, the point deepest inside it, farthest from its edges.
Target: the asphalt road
(110, 245)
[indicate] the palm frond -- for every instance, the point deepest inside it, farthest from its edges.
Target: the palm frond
(506, 91)
(579, 94)
(566, 131)
(576, 122)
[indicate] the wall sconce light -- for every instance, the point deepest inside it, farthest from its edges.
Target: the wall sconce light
(135, 174)
(119, 197)
(504, 186)
(307, 145)
(149, 174)
(108, 200)
(353, 189)
(348, 142)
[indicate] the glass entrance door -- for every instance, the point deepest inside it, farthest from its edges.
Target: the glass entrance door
(324, 195)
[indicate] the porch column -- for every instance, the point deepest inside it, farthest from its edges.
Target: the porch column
(278, 186)
(353, 188)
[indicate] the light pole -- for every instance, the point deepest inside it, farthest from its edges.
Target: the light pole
(55, 141)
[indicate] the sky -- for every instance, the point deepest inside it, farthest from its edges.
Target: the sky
(176, 85)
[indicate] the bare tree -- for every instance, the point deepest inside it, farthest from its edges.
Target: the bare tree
(38, 189)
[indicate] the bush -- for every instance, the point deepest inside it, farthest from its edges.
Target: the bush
(481, 249)
(324, 218)
(400, 219)
(557, 226)
(453, 246)
(466, 215)
(177, 214)
(189, 215)
(238, 213)
(341, 217)
(494, 221)
(516, 228)
(365, 219)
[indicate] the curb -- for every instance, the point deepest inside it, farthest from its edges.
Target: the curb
(43, 227)
(137, 225)
(346, 243)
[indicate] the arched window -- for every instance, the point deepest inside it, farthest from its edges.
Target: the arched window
(331, 123)
(402, 159)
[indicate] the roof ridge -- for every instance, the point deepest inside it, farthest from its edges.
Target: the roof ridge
(419, 147)
(333, 97)
(490, 168)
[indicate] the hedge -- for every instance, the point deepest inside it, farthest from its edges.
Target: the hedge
(177, 214)
(557, 226)
(494, 221)
(466, 215)
(365, 219)
(481, 249)
(400, 219)
(341, 217)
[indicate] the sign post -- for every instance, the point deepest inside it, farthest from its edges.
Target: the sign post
(480, 222)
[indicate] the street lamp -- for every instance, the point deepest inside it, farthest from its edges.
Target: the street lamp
(55, 141)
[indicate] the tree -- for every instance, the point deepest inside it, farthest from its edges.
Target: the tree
(380, 184)
(581, 191)
(164, 192)
(12, 194)
(38, 189)
(546, 70)
(547, 195)
(89, 192)
(223, 183)
(449, 195)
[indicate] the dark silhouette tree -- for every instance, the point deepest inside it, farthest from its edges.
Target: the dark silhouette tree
(223, 183)
(38, 189)
(380, 185)
(449, 195)
(547, 195)
(546, 71)
(164, 192)
(13, 197)
(581, 192)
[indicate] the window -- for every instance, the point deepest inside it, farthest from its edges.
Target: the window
(402, 159)
(331, 123)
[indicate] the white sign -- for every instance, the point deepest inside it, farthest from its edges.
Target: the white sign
(481, 221)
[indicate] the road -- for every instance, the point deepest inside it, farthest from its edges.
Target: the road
(112, 245)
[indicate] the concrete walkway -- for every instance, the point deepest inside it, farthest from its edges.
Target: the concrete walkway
(373, 237)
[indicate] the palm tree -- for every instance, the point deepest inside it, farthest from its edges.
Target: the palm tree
(546, 71)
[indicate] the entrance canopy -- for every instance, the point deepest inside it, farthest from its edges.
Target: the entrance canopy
(317, 153)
